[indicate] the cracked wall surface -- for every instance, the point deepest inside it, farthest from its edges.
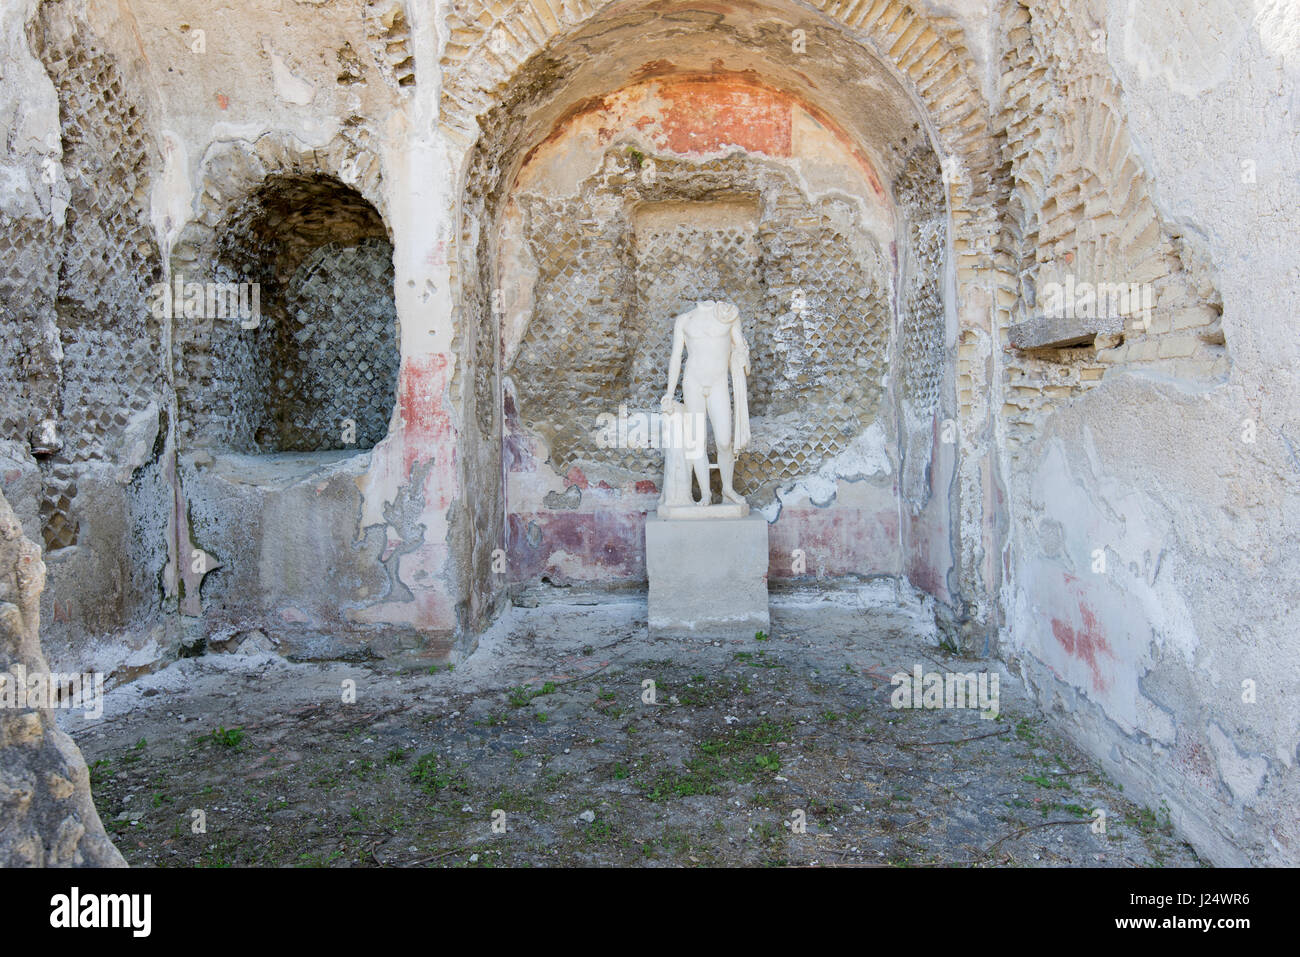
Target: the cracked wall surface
(601, 249)
(1142, 463)
(87, 431)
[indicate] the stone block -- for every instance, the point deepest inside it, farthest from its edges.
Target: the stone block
(1051, 332)
(708, 577)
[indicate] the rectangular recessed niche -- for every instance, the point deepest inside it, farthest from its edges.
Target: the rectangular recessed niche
(732, 212)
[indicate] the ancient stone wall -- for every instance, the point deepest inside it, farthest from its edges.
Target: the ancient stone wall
(814, 305)
(89, 427)
(921, 353)
(1082, 213)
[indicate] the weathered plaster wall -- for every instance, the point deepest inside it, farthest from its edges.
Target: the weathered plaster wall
(88, 418)
(1176, 660)
(348, 93)
(591, 66)
(155, 142)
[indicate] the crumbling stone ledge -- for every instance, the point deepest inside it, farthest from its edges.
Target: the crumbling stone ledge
(1053, 332)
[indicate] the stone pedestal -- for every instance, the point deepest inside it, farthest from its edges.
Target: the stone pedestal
(708, 576)
(694, 513)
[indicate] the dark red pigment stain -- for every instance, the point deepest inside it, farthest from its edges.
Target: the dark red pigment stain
(1085, 643)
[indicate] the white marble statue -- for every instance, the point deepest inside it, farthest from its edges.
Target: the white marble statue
(710, 335)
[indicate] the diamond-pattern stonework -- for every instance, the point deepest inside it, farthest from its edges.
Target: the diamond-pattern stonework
(343, 328)
(921, 355)
(813, 297)
(112, 364)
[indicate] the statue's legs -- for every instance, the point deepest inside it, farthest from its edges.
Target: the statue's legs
(720, 418)
(693, 396)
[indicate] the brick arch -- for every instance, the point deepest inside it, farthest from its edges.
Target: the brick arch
(329, 207)
(490, 47)
(1081, 203)
(924, 56)
(232, 171)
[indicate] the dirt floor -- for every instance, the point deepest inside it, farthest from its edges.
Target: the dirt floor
(541, 749)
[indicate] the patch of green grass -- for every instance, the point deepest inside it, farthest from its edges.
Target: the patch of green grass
(824, 809)
(396, 756)
(760, 636)
(701, 692)
(519, 801)
(1148, 821)
(221, 853)
(768, 762)
(521, 694)
(1026, 731)
(597, 831)
(429, 777)
(738, 757)
(309, 859)
(766, 832)
(328, 780)
(100, 772)
(230, 738)
(362, 769)
(1043, 781)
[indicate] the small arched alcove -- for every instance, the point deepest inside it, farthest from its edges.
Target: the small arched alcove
(304, 356)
